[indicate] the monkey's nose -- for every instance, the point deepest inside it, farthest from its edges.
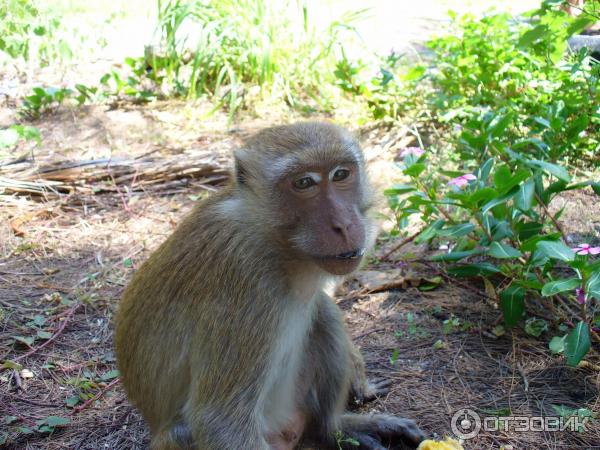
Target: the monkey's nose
(342, 229)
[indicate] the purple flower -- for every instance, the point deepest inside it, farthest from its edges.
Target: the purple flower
(462, 181)
(417, 151)
(586, 249)
(580, 293)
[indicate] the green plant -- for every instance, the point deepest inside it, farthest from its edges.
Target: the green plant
(391, 93)
(495, 220)
(132, 86)
(43, 99)
(28, 30)
(500, 65)
(514, 111)
(15, 26)
(241, 43)
(14, 134)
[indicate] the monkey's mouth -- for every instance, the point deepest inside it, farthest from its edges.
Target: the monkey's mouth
(352, 254)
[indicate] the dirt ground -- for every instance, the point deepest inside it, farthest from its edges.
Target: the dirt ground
(65, 259)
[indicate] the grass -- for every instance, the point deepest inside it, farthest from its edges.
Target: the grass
(235, 49)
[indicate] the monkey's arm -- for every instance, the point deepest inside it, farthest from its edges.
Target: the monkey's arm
(338, 364)
(363, 390)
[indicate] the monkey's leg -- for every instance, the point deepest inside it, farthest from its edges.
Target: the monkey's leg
(289, 437)
(178, 437)
(213, 430)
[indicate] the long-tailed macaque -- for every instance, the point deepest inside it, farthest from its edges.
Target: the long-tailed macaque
(226, 338)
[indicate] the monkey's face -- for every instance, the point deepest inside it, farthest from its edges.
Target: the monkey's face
(324, 215)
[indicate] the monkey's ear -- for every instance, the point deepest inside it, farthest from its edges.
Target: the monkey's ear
(241, 172)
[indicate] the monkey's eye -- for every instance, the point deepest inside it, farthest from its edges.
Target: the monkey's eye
(304, 183)
(340, 174)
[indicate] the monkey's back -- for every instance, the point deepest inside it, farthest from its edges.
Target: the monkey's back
(171, 315)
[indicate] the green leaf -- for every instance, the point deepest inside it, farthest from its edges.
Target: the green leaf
(503, 251)
(556, 250)
(524, 197)
(502, 176)
(473, 270)
(10, 419)
(581, 23)
(398, 189)
(530, 244)
(501, 230)
(44, 334)
(415, 170)
(593, 184)
(455, 231)
(577, 344)
(533, 35)
(512, 303)
(430, 232)
(555, 287)
(557, 344)
(592, 286)
(55, 421)
(27, 340)
(558, 171)
(72, 401)
(499, 125)
(535, 327)
(110, 375)
(505, 180)
(483, 195)
(525, 230)
(8, 364)
(543, 122)
(454, 256)
(498, 201)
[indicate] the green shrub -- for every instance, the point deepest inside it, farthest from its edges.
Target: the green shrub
(516, 111)
(500, 65)
(27, 30)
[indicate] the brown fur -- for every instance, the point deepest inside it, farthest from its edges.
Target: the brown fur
(225, 337)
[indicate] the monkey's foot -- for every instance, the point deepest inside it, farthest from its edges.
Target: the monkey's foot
(379, 431)
(370, 390)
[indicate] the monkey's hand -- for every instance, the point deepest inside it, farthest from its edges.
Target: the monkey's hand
(363, 390)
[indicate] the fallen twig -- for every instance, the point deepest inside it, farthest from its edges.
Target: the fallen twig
(52, 338)
(368, 332)
(402, 244)
(94, 398)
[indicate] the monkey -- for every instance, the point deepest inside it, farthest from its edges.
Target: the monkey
(227, 337)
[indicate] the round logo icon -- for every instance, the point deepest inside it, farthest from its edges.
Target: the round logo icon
(466, 424)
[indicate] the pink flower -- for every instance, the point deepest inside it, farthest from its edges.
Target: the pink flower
(462, 181)
(586, 249)
(580, 293)
(417, 151)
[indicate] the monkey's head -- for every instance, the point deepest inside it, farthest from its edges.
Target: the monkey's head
(307, 185)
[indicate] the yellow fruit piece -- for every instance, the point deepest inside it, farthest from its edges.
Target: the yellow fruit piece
(447, 444)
